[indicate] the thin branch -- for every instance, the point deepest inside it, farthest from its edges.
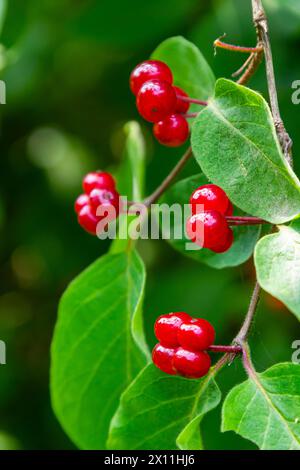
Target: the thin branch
(234, 48)
(242, 334)
(168, 180)
(187, 99)
(262, 29)
(251, 69)
(242, 68)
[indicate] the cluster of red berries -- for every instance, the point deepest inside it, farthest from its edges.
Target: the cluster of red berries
(158, 101)
(208, 227)
(99, 191)
(182, 346)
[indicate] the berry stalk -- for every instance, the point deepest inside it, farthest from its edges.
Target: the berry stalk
(232, 47)
(236, 220)
(187, 99)
(225, 349)
(190, 115)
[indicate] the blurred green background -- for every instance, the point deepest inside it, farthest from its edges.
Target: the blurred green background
(66, 65)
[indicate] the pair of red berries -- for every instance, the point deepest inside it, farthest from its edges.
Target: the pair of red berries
(208, 227)
(158, 101)
(183, 341)
(100, 200)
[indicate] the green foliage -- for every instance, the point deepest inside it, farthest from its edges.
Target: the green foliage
(131, 178)
(131, 19)
(245, 237)
(277, 260)
(99, 328)
(131, 174)
(159, 412)
(235, 143)
(190, 69)
(266, 408)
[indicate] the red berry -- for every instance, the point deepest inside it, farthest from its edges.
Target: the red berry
(207, 228)
(172, 131)
(155, 100)
(104, 197)
(209, 197)
(163, 359)
(191, 364)
(196, 335)
(167, 326)
(181, 106)
(229, 210)
(149, 70)
(80, 202)
(88, 220)
(224, 244)
(98, 179)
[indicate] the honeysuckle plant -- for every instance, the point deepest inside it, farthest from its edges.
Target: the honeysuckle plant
(106, 392)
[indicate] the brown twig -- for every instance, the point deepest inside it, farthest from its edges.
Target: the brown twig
(242, 334)
(251, 69)
(242, 68)
(234, 48)
(262, 29)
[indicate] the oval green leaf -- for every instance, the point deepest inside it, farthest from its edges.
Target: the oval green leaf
(98, 346)
(160, 411)
(266, 408)
(235, 143)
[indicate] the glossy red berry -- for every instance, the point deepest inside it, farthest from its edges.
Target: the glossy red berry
(225, 244)
(173, 131)
(88, 220)
(181, 106)
(167, 326)
(98, 179)
(163, 359)
(80, 202)
(196, 335)
(207, 228)
(209, 197)
(149, 70)
(156, 100)
(104, 197)
(191, 364)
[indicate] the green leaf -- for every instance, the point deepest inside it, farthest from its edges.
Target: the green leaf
(235, 143)
(158, 411)
(131, 180)
(266, 408)
(277, 261)
(245, 237)
(131, 176)
(96, 349)
(190, 69)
